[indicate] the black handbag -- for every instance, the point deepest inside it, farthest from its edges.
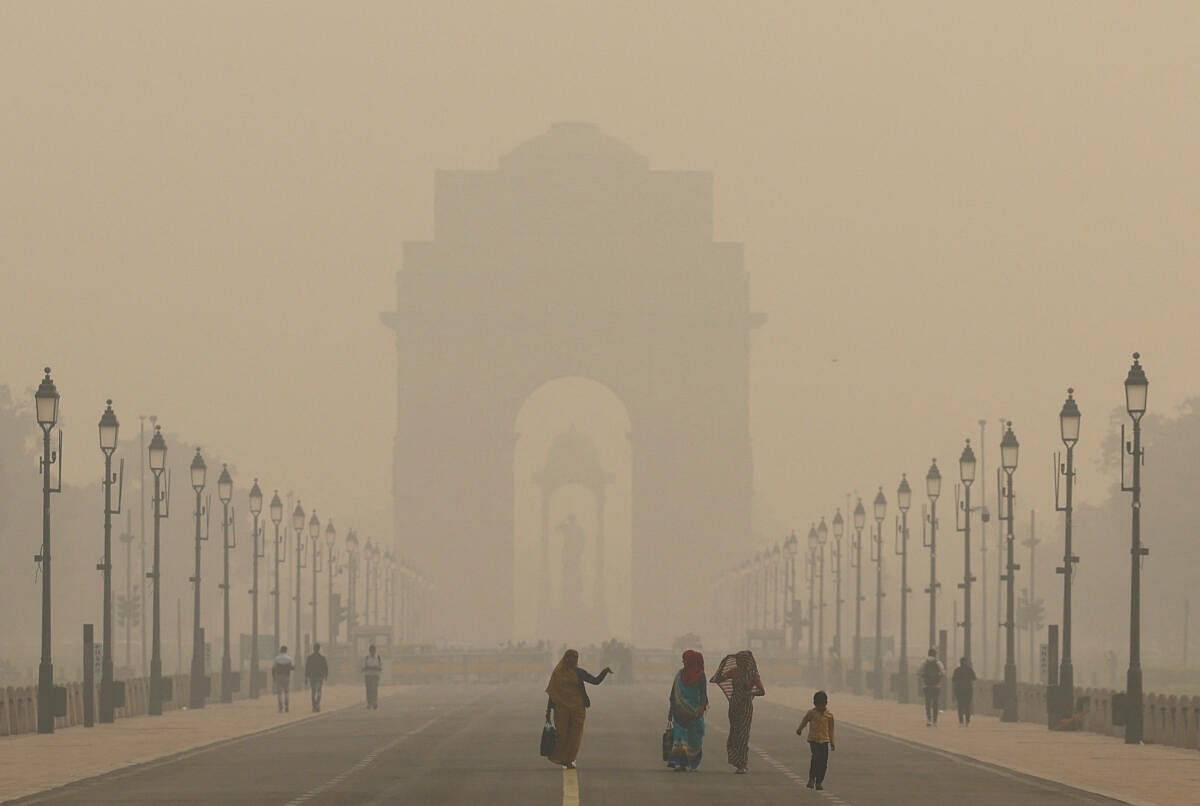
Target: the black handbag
(668, 739)
(549, 739)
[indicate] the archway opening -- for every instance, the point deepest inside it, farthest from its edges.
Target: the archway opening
(572, 514)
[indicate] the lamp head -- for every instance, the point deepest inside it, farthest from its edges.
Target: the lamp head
(933, 482)
(199, 471)
(109, 427)
(839, 525)
(966, 465)
(298, 518)
(822, 532)
(314, 526)
(813, 540)
(46, 402)
(225, 485)
(1136, 387)
(860, 515)
(158, 451)
(276, 508)
(880, 506)
(255, 499)
(904, 493)
(330, 533)
(1068, 420)
(1009, 447)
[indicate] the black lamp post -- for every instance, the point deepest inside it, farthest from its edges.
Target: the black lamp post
(109, 428)
(314, 537)
(966, 473)
(259, 550)
(46, 404)
(368, 552)
(1008, 463)
(276, 518)
(860, 520)
(1136, 387)
(1068, 422)
(331, 571)
(161, 504)
(903, 502)
(835, 556)
(933, 489)
(812, 598)
(789, 583)
(298, 528)
(351, 582)
(225, 493)
(822, 538)
(880, 507)
(199, 682)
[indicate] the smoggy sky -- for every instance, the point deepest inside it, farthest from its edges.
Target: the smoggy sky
(951, 211)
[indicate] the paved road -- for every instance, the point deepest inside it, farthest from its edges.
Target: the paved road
(478, 745)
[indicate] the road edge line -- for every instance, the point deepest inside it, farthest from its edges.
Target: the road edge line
(132, 768)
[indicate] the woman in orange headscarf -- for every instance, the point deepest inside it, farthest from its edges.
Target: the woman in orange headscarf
(569, 702)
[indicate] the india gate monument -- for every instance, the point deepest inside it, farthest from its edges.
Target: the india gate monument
(572, 433)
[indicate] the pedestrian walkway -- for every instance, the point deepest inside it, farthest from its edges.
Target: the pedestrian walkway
(31, 763)
(1138, 774)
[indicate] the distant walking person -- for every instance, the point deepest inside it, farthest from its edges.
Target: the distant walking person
(963, 684)
(316, 672)
(281, 674)
(569, 701)
(820, 738)
(738, 678)
(689, 701)
(932, 674)
(372, 670)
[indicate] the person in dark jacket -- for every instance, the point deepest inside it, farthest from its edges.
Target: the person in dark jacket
(568, 700)
(963, 684)
(316, 671)
(932, 674)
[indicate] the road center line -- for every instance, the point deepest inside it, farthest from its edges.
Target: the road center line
(570, 787)
(361, 764)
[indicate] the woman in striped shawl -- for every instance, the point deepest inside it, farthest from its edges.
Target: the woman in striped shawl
(738, 678)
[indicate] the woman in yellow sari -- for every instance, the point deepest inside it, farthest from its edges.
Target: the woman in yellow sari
(569, 702)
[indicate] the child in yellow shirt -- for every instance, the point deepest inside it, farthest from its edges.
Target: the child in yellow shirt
(820, 738)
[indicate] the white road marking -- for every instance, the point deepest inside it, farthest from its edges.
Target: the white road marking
(360, 765)
(570, 787)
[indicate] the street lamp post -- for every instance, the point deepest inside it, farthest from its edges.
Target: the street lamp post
(822, 538)
(835, 555)
(933, 489)
(46, 403)
(161, 504)
(789, 578)
(812, 597)
(966, 473)
(903, 501)
(860, 520)
(199, 683)
(314, 536)
(276, 518)
(298, 528)
(1008, 463)
(331, 572)
(880, 507)
(351, 583)
(109, 428)
(225, 493)
(1068, 421)
(259, 550)
(1136, 387)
